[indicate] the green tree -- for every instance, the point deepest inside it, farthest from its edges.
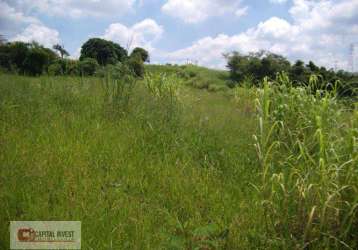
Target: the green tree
(105, 52)
(312, 67)
(142, 53)
(271, 64)
(255, 66)
(35, 62)
(298, 72)
(18, 54)
(38, 59)
(5, 57)
(238, 65)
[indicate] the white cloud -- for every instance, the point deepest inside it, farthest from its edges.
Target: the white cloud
(75, 8)
(18, 26)
(12, 19)
(193, 11)
(320, 31)
(40, 34)
(278, 1)
(272, 35)
(242, 11)
(142, 34)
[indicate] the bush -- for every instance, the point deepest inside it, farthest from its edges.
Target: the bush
(72, 67)
(55, 69)
(142, 53)
(88, 66)
(136, 65)
(35, 62)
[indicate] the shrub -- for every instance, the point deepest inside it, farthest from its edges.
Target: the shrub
(135, 63)
(142, 53)
(88, 66)
(72, 67)
(55, 69)
(35, 61)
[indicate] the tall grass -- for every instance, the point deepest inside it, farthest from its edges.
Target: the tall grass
(153, 164)
(307, 149)
(118, 83)
(149, 174)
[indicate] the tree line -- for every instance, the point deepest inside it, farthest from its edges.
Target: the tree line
(253, 67)
(34, 59)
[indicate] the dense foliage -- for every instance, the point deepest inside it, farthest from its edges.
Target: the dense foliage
(252, 68)
(26, 58)
(105, 52)
(34, 59)
(142, 53)
(158, 165)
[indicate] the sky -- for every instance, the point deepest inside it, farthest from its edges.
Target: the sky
(200, 31)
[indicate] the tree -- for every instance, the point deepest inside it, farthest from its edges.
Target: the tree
(5, 58)
(19, 51)
(35, 62)
(61, 50)
(142, 53)
(312, 67)
(105, 52)
(121, 53)
(38, 59)
(271, 64)
(298, 72)
(237, 64)
(255, 66)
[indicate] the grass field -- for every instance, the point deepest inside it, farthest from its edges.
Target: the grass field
(156, 164)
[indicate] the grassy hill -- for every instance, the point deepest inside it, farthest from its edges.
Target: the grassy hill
(156, 164)
(193, 75)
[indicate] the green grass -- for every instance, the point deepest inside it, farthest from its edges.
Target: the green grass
(194, 76)
(155, 164)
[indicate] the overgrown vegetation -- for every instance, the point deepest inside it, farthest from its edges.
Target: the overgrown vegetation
(266, 158)
(251, 69)
(153, 164)
(194, 76)
(34, 59)
(307, 149)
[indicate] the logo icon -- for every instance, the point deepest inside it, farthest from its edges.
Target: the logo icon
(26, 234)
(45, 235)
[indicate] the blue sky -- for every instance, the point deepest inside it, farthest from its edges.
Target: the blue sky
(197, 30)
